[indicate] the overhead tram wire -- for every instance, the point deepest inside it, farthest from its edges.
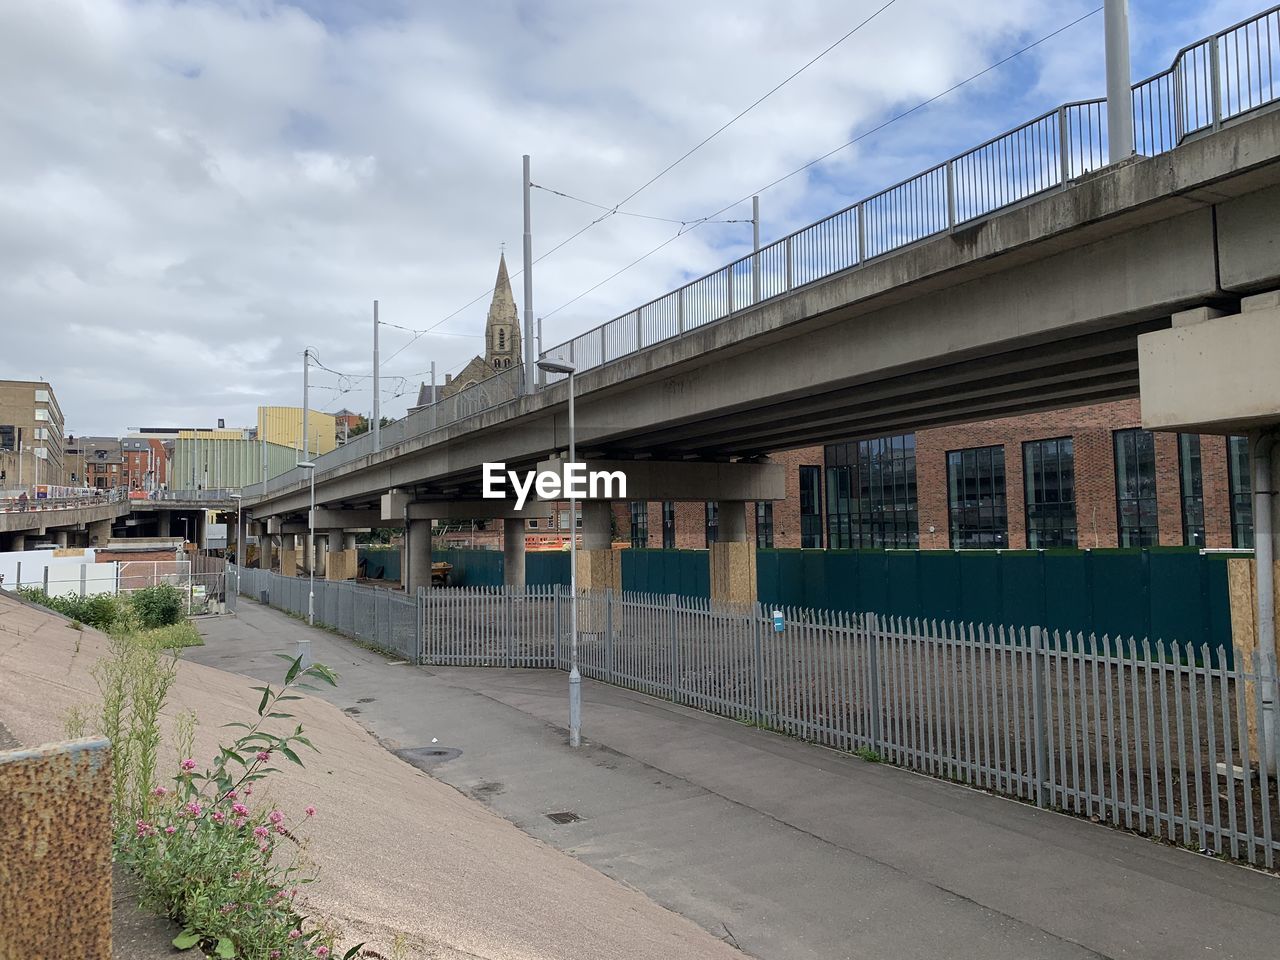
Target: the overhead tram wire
(665, 170)
(880, 126)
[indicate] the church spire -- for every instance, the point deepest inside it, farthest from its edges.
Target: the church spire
(502, 328)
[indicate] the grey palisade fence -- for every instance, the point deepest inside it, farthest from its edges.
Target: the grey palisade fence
(1152, 737)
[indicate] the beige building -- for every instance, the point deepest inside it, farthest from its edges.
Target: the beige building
(31, 434)
(283, 426)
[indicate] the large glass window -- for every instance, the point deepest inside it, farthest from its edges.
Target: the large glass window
(712, 521)
(1191, 484)
(668, 525)
(871, 493)
(810, 507)
(639, 524)
(1136, 514)
(764, 525)
(976, 491)
(1049, 476)
(1241, 492)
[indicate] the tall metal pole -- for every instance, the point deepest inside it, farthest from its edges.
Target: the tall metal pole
(311, 555)
(755, 246)
(528, 283)
(376, 426)
(542, 375)
(575, 678)
(1119, 91)
(306, 399)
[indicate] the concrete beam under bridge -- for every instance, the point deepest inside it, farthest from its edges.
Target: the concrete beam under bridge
(395, 503)
(688, 479)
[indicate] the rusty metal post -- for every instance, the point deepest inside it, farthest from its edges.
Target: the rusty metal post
(55, 843)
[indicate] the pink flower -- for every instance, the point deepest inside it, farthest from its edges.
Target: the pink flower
(276, 817)
(171, 830)
(194, 808)
(248, 791)
(280, 829)
(294, 934)
(311, 811)
(264, 755)
(231, 794)
(159, 792)
(218, 816)
(143, 828)
(260, 831)
(239, 822)
(263, 847)
(274, 954)
(239, 809)
(322, 951)
(188, 764)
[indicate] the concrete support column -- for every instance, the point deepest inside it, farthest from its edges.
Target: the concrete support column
(162, 523)
(19, 542)
(340, 556)
(265, 551)
(599, 565)
(289, 555)
(513, 552)
(415, 570)
(99, 533)
(733, 556)
(60, 537)
(321, 554)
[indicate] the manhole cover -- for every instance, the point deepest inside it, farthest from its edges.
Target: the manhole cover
(426, 757)
(566, 816)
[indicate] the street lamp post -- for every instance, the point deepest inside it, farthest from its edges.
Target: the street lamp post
(305, 651)
(548, 365)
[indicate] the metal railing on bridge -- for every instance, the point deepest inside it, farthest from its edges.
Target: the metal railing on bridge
(1214, 81)
(1158, 738)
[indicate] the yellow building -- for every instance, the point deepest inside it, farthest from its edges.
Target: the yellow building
(283, 425)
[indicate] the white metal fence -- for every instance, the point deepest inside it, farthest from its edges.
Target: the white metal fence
(1152, 737)
(1215, 81)
(203, 586)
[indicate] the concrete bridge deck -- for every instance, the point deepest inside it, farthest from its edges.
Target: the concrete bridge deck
(1037, 306)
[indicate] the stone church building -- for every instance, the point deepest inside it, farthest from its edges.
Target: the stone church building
(502, 349)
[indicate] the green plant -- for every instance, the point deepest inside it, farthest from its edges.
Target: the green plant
(133, 681)
(208, 860)
(101, 611)
(173, 637)
(869, 755)
(157, 606)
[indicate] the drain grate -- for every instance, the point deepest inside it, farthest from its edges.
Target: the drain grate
(366, 700)
(566, 816)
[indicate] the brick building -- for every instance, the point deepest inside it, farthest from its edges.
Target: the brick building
(146, 462)
(97, 462)
(1087, 477)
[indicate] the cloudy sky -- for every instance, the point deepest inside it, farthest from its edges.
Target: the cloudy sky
(192, 192)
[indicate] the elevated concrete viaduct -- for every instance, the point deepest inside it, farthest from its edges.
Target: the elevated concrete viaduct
(1037, 306)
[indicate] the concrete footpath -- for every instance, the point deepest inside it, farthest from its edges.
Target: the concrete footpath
(788, 851)
(406, 864)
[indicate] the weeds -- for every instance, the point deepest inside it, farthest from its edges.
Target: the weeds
(869, 755)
